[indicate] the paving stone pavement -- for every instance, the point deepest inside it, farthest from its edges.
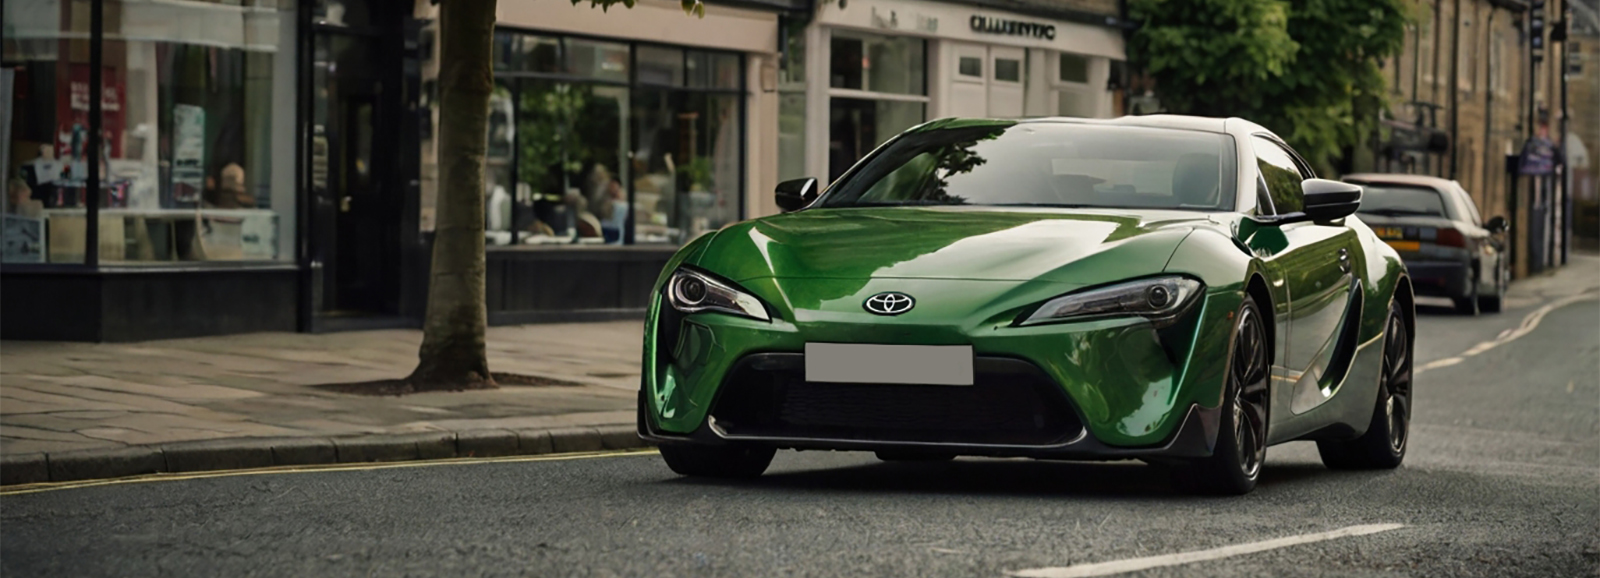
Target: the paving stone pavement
(66, 399)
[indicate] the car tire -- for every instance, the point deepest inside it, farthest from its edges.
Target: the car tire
(913, 456)
(1493, 303)
(717, 461)
(1384, 444)
(1241, 448)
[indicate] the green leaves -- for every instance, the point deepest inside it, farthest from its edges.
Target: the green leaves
(1307, 69)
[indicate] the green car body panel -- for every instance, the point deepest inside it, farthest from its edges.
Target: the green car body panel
(974, 270)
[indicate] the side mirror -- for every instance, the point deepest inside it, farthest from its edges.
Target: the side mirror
(793, 195)
(1497, 225)
(1330, 200)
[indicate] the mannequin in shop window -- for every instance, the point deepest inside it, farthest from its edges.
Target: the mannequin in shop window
(229, 192)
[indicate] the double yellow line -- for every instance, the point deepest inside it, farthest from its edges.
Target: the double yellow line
(311, 469)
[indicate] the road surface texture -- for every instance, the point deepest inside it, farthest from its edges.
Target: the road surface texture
(1503, 479)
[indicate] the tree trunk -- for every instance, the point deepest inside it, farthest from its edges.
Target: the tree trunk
(452, 354)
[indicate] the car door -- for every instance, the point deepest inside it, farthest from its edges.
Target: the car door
(1316, 265)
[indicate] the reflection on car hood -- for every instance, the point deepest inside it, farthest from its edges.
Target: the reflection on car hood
(978, 243)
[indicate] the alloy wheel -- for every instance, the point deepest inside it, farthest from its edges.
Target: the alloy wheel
(1397, 383)
(1249, 376)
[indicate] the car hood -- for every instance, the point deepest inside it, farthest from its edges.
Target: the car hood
(1077, 246)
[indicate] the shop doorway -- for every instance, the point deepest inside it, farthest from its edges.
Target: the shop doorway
(356, 200)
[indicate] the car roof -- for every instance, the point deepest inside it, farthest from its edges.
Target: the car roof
(1176, 121)
(1403, 179)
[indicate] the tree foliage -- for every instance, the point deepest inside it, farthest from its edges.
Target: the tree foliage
(1307, 69)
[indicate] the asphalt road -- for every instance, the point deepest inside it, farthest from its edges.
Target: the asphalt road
(1503, 479)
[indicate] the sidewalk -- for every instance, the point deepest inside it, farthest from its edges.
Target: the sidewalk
(79, 410)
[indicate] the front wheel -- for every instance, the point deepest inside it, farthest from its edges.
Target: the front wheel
(1241, 448)
(1384, 444)
(717, 461)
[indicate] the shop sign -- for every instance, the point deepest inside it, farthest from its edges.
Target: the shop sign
(892, 20)
(1001, 26)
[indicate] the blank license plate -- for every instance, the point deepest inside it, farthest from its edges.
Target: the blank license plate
(872, 363)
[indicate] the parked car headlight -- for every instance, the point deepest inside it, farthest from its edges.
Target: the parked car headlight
(1160, 299)
(691, 291)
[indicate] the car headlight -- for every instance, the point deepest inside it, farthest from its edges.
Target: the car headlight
(691, 292)
(1160, 299)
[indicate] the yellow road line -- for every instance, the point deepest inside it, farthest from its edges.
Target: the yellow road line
(314, 468)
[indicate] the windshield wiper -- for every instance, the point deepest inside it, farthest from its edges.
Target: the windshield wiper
(1050, 205)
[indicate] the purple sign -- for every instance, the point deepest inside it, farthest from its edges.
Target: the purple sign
(1538, 157)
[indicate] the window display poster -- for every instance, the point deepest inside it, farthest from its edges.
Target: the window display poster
(24, 239)
(188, 154)
(74, 116)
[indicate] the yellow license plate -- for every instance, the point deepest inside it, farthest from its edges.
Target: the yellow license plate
(1387, 232)
(1406, 246)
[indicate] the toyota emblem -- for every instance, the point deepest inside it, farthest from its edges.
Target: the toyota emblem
(889, 303)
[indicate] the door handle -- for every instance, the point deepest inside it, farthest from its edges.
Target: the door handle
(1344, 260)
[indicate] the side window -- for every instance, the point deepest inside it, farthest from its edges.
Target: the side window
(1282, 176)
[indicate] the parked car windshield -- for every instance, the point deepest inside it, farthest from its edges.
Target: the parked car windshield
(1393, 201)
(1045, 164)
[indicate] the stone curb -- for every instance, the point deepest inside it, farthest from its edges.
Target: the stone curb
(242, 453)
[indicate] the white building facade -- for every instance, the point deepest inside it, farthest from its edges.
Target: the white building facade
(861, 71)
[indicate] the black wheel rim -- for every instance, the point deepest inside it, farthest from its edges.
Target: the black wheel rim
(1397, 383)
(1249, 386)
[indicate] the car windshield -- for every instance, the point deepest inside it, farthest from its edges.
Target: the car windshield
(1392, 201)
(1045, 164)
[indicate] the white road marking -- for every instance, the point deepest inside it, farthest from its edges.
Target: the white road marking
(1529, 323)
(1146, 563)
(1438, 363)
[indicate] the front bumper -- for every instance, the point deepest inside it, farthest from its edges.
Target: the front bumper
(1195, 438)
(1103, 388)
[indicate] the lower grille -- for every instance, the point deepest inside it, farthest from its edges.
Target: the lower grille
(1010, 403)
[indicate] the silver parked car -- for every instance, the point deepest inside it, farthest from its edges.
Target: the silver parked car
(1436, 228)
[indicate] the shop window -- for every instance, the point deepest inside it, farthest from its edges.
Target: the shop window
(599, 60)
(597, 160)
(713, 70)
(192, 99)
(970, 66)
(886, 80)
(792, 103)
(1073, 68)
(660, 66)
(1007, 70)
(888, 64)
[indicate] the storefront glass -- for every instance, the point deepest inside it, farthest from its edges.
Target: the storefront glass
(792, 103)
(195, 100)
(879, 89)
(46, 48)
(579, 111)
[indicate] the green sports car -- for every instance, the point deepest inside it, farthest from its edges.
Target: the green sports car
(1178, 290)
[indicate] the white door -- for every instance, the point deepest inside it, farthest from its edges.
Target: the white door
(1005, 81)
(969, 76)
